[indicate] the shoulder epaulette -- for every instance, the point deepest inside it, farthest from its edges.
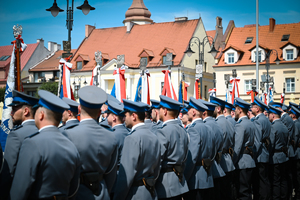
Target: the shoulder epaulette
(72, 126)
(30, 136)
(17, 127)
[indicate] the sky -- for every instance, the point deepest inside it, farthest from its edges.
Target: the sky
(38, 23)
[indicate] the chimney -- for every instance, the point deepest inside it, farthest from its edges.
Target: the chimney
(58, 47)
(129, 26)
(88, 30)
(219, 32)
(272, 24)
(51, 46)
(40, 41)
(54, 46)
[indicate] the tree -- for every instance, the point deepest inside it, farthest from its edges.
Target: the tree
(49, 86)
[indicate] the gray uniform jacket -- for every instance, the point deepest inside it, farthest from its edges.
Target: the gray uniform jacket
(288, 122)
(13, 145)
(140, 159)
(279, 139)
(200, 147)
(48, 165)
(263, 131)
(231, 120)
(156, 125)
(120, 132)
(228, 140)
(98, 151)
(174, 149)
(149, 123)
(244, 137)
(297, 138)
(69, 124)
(217, 170)
(104, 123)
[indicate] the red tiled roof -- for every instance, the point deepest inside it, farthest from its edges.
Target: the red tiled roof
(50, 63)
(267, 39)
(25, 56)
(212, 34)
(154, 37)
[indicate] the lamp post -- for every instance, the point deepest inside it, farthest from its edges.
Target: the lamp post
(78, 86)
(277, 61)
(201, 45)
(98, 59)
(85, 7)
(227, 81)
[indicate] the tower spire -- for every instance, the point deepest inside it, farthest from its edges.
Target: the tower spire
(138, 13)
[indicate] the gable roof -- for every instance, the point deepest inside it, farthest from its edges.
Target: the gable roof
(154, 37)
(267, 39)
(25, 56)
(50, 63)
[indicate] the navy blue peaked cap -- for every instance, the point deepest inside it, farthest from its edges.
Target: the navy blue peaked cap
(241, 103)
(92, 97)
(210, 106)
(154, 103)
(217, 101)
(198, 105)
(131, 106)
(169, 103)
(275, 110)
(295, 110)
(73, 104)
(259, 103)
(52, 102)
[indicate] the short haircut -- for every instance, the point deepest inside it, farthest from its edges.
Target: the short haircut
(140, 115)
(245, 110)
(52, 115)
(147, 115)
(173, 113)
(210, 113)
(93, 112)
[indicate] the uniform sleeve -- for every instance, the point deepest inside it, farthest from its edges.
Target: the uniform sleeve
(128, 167)
(26, 170)
(10, 161)
(193, 152)
(239, 139)
(257, 135)
(111, 173)
(74, 184)
(163, 144)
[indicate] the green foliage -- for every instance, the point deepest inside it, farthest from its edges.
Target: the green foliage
(49, 86)
(2, 94)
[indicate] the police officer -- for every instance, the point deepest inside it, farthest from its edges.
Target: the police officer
(155, 115)
(288, 122)
(227, 113)
(148, 122)
(139, 166)
(96, 145)
(174, 140)
(260, 183)
(23, 119)
(198, 165)
(184, 117)
(279, 156)
(243, 149)
(69, 117)
(49, 164)
(217, 171)
(295, 115)
(227, 151)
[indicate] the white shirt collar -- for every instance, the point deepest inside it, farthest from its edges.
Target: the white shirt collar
(242, 118)
(283, 113)
(137, 125)
(170, 120)
(28, 120)
(46, 127)
(117, 125)
(70, 120)
(196, 120)
(86, 119)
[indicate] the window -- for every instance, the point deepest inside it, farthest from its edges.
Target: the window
(4, 58)
(79, 65)
(56, 74)
(285, 38)
(289, 54)
(162, 86)
(290, 84)
(259, 56)
(248, 85)
(38, 75)
(164, 60)
(230, 58)
(248, 40)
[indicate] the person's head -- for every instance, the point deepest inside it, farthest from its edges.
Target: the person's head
(133, 118)
(49, 109)
(113, 119)
(220, 106)
(103, 109)
(210, 108)
(218, 110)
(114, 112)
(169, 108)
(196, 109)
(241, 108)
(72, 112)
(185, 119)
(250, 114)
(155, 105)
(295, 112)
(266, 113)
(22, 107)
(274, 113)
(91, 99)
(258, 106)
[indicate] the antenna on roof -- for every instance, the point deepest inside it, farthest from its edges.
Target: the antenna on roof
(199, 15)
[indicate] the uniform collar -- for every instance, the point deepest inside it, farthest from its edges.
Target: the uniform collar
(220, 116)
(117, 125)
(45, 127)
(257, 116)
(28, 120)
(170, 120)
(198, 119)
(241, 118)
(282, 114)
(86, 119)
(275, 121)
(70, 120)
(207, 118)
(137, 125)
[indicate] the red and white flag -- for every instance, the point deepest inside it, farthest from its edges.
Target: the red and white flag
(212, 92)
(120, 87)
(168, 89)
(197, 94)
(94, 73)
(64, 88)
(145, 97)
(282, 98)
(235, 88)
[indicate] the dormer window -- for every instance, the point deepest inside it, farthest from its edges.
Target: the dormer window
(144, 60)
(79, 65)
(81, 60)
(285, 38)
(164, 58)
(230, 58)
(4, 58)
(289, 54)
(146, 56)
(259, 56)
(249, 40)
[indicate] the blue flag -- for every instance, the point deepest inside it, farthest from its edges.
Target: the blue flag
(180, 96)
(138, 94)
(113, 91)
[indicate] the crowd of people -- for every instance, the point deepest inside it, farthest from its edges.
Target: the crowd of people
(101, 148)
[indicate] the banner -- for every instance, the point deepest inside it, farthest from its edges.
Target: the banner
(142, 91)
(197, 94)
(119, 89)
(94, 78)
(235, 88)
(168, 89)
(212, 92)
(182, 94)
(253, 94)
(65, 89)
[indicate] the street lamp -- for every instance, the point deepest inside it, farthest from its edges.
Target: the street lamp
(200, 44)
(78, 86)
(277, 61)
(85, 7)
